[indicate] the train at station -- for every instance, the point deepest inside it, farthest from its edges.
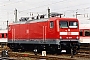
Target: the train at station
(85, 34)
(53, 34)
(3, 37)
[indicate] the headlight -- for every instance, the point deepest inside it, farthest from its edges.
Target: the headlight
(77, 37)
(60, 37)
(67, 37)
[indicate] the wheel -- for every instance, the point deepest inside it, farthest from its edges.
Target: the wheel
(35, 51)
(58, 51)
(68, 51)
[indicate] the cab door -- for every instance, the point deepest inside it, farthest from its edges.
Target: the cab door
(51, 29)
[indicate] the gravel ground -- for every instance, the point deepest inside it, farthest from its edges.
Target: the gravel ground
(77, 58)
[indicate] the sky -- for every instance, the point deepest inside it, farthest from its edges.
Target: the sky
(24, 7)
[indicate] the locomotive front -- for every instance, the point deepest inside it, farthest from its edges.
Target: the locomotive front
(68, 33)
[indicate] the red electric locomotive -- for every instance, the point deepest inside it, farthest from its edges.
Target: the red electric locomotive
(51, 34)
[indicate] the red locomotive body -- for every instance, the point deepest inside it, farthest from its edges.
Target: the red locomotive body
(50, 34)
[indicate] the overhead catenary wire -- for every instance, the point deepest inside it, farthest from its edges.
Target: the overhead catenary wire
(17, 2)
(73, 6)
(43, 5)
(75, 10)
(57, 9)
(49, 4)
(39, 7)
(10, 3)
(52, 4)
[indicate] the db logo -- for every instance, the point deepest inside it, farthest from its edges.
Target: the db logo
(68, 33)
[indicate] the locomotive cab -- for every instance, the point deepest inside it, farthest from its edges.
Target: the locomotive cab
(68, 33)
(65, 33)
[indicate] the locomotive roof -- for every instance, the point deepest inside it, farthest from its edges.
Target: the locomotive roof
(30, 21)
(42, 20)
(70, 19)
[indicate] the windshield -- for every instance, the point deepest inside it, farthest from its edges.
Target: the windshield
(63, 24)
(68, 24)
(73, 24)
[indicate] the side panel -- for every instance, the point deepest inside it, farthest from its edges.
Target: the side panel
(37, 33)
(51, 32)
(23, 31)
(36, 30)
(13, 32)
(16, 32)
(10, 32)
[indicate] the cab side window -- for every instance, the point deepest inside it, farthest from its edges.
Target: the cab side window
(51, 24)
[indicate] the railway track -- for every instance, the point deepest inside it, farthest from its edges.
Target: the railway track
(82, 53)
(48, 57)
(84, 49)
